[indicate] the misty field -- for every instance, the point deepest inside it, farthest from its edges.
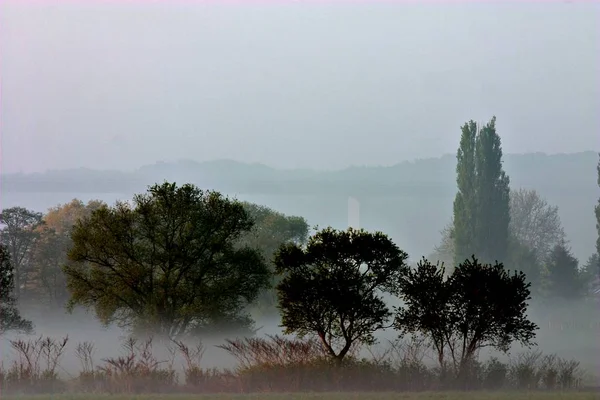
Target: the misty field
(339, 396)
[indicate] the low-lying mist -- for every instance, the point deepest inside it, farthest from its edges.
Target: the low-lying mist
(571, 330)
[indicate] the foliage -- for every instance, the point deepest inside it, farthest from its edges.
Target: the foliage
(49, 253)
(522, 258)
(272, 229)
(534, 223)
(333, 288)
(477, 306)
(465, 203)
(563, 277)
(597, 212)
(481, 206)
(534, 229)
(166, 263)
(18, 235)
(10, 318)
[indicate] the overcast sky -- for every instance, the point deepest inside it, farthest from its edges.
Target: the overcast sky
(321, 86)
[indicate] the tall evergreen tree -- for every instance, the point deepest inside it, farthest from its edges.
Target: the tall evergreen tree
(563, 277)
(465, 201)
(482, 204)
(493, 196)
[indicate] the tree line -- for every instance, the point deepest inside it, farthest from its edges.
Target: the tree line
(178, 260)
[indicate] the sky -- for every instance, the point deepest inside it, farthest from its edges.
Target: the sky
(325, 86)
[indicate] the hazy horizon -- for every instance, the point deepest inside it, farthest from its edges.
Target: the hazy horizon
(296, 86)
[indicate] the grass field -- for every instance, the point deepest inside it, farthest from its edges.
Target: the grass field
(337, 396)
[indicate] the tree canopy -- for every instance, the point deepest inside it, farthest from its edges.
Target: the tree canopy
(481, 206)
(18, 235)
(271, 229)
(10, 318)
(166, 263)
(563, 278)
(333, 287)
(477, 306)
(534, 223)
(49, 253)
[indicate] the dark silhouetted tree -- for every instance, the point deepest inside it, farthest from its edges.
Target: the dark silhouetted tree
(10, 318)
(334, 287)
(477, 306)
(481, 206)
(167, 263)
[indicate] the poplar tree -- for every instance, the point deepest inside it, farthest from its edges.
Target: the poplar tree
(482, 204)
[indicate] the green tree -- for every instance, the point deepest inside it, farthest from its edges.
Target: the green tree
(51, 247)
(493, 197)
(10, 318)
(18, 235)
(481, 206)
(465, 203)
(333, 288)
(534, 229)
(563, 278)
(272, 229)
(167, 263)
(477, 306)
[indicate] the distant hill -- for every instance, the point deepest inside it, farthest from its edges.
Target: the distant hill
(557, 172)
(411, 201)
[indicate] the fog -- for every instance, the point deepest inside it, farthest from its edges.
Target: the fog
(327, 86)
(109, 85)
(571, 333)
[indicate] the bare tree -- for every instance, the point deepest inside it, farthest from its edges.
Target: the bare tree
(534, 222)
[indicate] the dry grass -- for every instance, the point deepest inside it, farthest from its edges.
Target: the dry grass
(272, 365)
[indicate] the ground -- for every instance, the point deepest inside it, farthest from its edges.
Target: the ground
(338, 396)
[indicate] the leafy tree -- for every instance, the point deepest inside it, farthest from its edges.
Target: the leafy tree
(522, 258)
(465, 202)
(18, 236)
(272, 229)
(481, 206)
(534, 223)
(563, 278)
(534, 229)
(589, 273)
(597, 211)
(50, 250)
(10, 318)
(166, 263)
(477, 306)
(333, 287)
